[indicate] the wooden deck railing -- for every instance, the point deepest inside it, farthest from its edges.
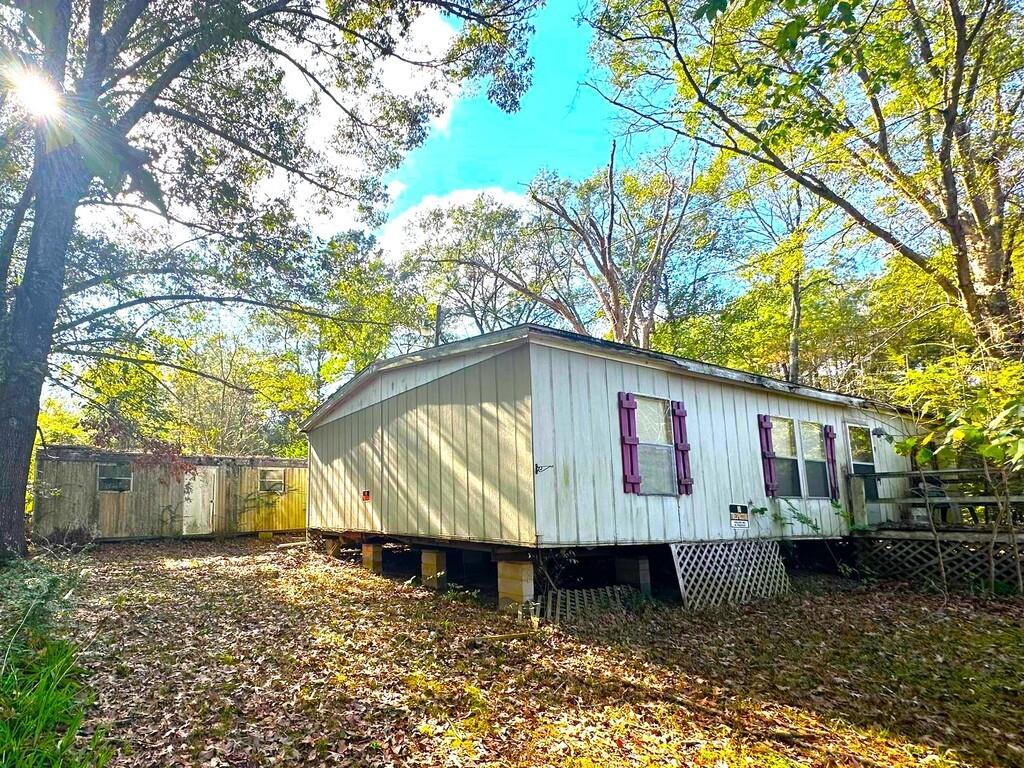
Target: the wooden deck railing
(954, 498)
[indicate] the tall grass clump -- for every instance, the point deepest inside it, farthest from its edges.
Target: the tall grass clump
(42, 696)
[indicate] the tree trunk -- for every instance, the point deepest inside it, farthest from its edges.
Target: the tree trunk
(795, 311)
(999, 323)
(61, 181)
(985, 274)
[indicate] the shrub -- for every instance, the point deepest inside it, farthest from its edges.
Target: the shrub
(42, 697)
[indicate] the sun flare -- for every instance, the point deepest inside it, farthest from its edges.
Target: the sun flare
(36, 95)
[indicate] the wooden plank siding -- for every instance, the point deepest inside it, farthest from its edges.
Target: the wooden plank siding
(580, 500)
(67, 500)
(151, 508)
(246, 510)
(449, 458)
(389, 383)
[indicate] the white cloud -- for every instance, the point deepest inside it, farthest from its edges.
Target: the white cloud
(396, 236)
(395, 188)
(429, 38)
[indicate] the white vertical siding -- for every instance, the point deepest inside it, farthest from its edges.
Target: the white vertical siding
(451, 458)
(580, 500)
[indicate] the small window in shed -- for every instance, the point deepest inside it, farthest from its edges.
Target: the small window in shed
(114, 476)
(812, 445)
(271, 481)
(787, 465)
(656, 449)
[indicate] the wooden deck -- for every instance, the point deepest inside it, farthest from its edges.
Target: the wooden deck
(951, 499)
(955, 520)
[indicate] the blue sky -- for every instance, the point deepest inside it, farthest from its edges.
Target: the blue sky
(561, 125)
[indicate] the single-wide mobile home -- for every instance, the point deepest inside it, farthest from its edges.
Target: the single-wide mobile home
(90, 494)
(532, 439)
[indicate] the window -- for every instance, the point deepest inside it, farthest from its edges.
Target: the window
(862, 457)
(656, 456)
(271, 481)
(812, 448)
(114, 477)
(787, 466)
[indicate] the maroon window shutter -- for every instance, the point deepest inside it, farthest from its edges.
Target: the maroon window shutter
(764, 429)
(831, 468)
(683, 475)
(627, 431)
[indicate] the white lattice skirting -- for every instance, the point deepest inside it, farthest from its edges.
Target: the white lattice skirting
(568, 604)
(917, 560)
(729, 572)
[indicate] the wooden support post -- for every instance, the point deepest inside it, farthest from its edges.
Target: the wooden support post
(373, 558)
(434, 569)
(634, 571)
(332, 547)
(858, 501)
(515, 584)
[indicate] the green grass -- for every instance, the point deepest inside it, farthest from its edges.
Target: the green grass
(42, 696)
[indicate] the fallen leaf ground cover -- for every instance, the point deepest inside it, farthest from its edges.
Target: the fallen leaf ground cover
(239, 653)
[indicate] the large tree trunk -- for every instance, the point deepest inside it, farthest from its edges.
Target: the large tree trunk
(998, 322)
(984, 275)
(60, 183)
(999, 325)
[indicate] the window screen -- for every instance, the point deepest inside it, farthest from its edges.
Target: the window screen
(656, 450)
(114, 476)
(862, 458)
(812, 446)
(271, 481)
(787, 466)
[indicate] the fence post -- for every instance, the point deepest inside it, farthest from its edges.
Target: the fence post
(858, 500)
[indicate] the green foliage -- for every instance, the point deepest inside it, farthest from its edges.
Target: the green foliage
(58, 424)
(42, 698)
(129, 402)
(843, 100)
(460, 261)
(602, 255)
(374, 303)
(190, 384)
(859, 335)
(976, 406)
(751, 331)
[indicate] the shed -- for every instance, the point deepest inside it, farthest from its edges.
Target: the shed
(532, 439)
(91, 494)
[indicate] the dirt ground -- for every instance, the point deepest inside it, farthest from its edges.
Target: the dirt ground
(240, 653)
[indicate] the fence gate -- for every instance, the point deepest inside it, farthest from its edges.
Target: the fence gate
(728, 572)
